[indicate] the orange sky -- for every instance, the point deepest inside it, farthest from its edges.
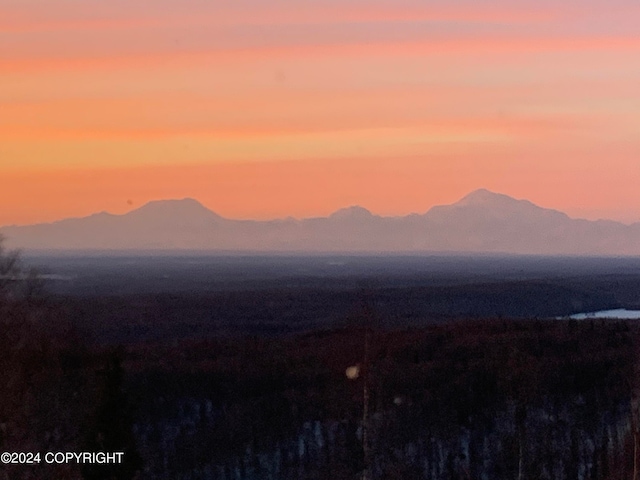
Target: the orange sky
(305, 107)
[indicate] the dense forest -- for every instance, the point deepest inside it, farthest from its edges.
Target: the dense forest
(321, 382)
(56, 394)
(478, 399)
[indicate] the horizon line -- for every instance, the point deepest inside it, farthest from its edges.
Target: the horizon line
(476, 191)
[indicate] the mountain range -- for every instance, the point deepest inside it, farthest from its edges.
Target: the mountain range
(482, 221)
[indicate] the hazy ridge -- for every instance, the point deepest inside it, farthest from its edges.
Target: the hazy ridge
(482, 221)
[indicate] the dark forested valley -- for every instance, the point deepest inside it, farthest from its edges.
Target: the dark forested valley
(254, 369)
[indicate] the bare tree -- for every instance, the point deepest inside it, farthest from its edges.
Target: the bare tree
(18, 283)
(635, 414)
(40, 405)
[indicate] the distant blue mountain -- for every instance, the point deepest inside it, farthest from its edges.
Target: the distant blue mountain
(482, 221)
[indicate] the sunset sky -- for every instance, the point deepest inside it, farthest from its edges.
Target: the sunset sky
(264, 109)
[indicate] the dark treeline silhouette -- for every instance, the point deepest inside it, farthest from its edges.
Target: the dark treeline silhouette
(480, 399)
(52, 388)
(462, 381)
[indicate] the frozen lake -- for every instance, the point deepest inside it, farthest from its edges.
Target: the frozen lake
(621, 313)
